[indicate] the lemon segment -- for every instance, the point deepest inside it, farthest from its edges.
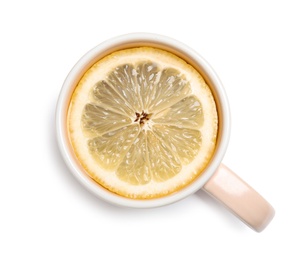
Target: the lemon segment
(106, 96)
(99, 120)
(109, 149)
(185, 113)
(184, 142)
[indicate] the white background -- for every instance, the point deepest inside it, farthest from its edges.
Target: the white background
(258, 49)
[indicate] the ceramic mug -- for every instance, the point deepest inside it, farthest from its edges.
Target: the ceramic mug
(217, 180)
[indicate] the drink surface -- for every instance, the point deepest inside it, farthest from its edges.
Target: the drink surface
(142, 123)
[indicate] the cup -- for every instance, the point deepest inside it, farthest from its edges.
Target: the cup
(217, 180)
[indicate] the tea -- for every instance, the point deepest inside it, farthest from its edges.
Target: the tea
(142, 122)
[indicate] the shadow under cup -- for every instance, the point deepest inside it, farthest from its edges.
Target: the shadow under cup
(125, 42)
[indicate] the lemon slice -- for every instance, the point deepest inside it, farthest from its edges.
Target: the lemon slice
(143, 123)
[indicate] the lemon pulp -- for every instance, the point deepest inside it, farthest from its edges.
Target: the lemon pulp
(143, 123)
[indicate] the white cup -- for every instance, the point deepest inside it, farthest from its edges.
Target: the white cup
(220, 182)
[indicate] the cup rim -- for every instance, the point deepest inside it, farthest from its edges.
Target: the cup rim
(84, 63)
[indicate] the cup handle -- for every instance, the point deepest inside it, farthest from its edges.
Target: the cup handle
(241, 199)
